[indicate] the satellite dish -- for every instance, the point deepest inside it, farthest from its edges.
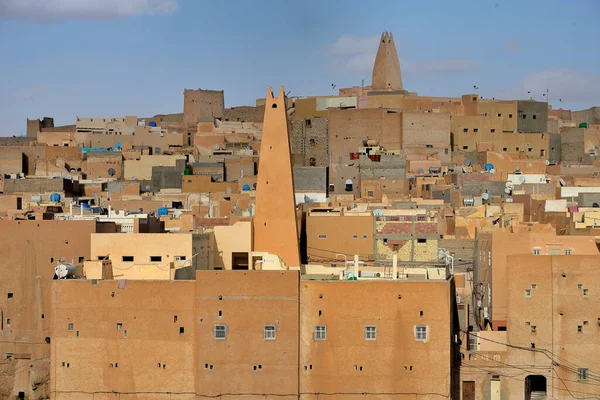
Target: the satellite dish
(467, 163)
(147, 187)
(517, 168)
(223, 146)
(522, 179)
(133, 178)
(485, 196)
(547, 163)
(111, 172)
(420, 171)
(507, 190)
(216, 147)
(562, 182)
(248, 147)
(509, 184)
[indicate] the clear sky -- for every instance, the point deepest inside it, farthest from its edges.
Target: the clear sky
(111, 58)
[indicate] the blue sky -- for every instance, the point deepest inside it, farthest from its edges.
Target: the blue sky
(109, 58)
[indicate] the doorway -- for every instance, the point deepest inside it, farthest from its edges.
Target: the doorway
(535, 387)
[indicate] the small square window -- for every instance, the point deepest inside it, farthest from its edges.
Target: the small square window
(492, 130)
(421, 240)
(81, 260)
(516, 149)
(269, 332)
(509, 115)
(354, 236)
(181, 330)
(582, 374)
(530, 149)
(70, 326)
(568, 252)
(499, 114)
(534, 116)
(370, 193)
(421, 333)
(365, 236)
(537, 252)
(220, 331)
(370, 332)
(465, 130)
(585, 292)
(527, 292)
(10, 295)
(155, 258)
(579, 328)
(524, 116)
(322, 236)
(476, 130)
(119, 326)
(534, 286)
(586, 322)
(533, 329)
(127, 258)
(320, 332)
(505, 149)
(465, 147)
(579, 286)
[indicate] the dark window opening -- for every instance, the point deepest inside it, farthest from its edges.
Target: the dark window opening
(421, 240)
(181, 330)
(534, 116)
(476, 130)
(274, 105)
(308, 123)
(465, 147)
(535, 387)
(492, 130)
(10, 295)
(127, 258)
(155, 258)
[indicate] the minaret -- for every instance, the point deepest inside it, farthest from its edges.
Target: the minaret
(275, 224)
(386, 71)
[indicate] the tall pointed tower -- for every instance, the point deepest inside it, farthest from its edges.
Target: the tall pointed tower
(386, 71)
(275, 224)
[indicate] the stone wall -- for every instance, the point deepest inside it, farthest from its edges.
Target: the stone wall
(310, 137)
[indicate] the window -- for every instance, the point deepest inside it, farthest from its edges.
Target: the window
(119, 326)
(220, 332)
(582, 374)
(534, 116)
(499, 114)
(537, 252)
(354, 236)
(568, 252)
(534, 286)
(429, 146)
(585, 292)
(476, 130)
(180, 258)
(579, 328)
(465, 147)
(370, 193)
(10, 295)
(492, 130)
(365, 236)
(127, 258)
(320, 332)
(322, 236)
(527, 292)
(579, 286)
(472, 342)
(421, 333)
(524, 116)
(505, 149)
(308, 123)
(516, 149)
(269, 332)
(509, 115)
(530, 149)
(421, 240)
(155, 258)
(181, 330)
(533, 329)
(370, 332)
(70, 326)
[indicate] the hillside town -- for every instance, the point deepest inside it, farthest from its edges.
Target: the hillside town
(370, 244)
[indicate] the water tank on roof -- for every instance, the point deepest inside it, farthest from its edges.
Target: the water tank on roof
(246, 187)
(152, 123)
(468, 202)
(64, 271)
(187, 171)
(488, 167)
(163, 211)
(55, 197)
(583, 125)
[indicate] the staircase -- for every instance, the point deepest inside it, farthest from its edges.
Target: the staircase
(538, 396)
